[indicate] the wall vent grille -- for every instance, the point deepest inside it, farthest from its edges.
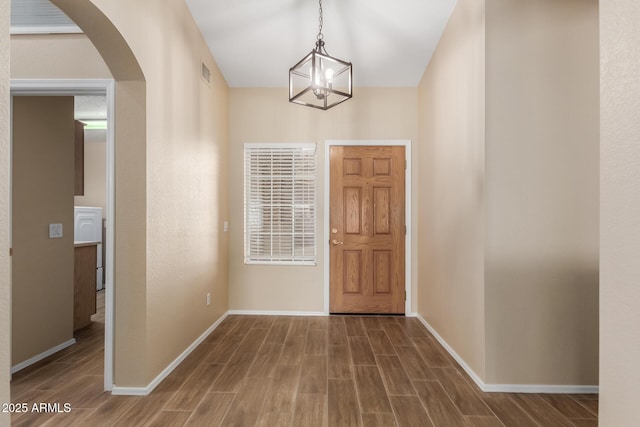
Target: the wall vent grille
(206, 73)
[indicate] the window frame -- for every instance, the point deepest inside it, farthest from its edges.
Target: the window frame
(310, 205)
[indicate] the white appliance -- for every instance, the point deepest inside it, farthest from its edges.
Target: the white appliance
(87, 228)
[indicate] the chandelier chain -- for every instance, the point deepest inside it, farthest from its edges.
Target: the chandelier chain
(320, 22)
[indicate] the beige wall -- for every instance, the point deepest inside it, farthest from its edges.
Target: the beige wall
(179, 184)
(42, 193)
(265, 115)
(451, 186)
(542, 192)
(95, 170)
(620, 212)
(56, 56)
(5, 282)
(171, 178)
(508, 231)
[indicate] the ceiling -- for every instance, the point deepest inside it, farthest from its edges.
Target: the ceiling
(255, 42)
(90, 107)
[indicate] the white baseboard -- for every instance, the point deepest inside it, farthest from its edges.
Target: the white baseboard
(508, 388)
(143, 391)
(276, 313)
(541, 388)
(20, 366)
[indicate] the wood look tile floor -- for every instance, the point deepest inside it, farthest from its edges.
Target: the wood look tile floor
(293, 371)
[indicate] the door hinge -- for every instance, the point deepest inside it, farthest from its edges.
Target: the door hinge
(405, 295)
(405, 164)
(10, 251)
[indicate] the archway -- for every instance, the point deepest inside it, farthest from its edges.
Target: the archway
(124, 301)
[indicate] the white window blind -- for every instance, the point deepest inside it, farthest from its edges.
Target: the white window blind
(280, 203)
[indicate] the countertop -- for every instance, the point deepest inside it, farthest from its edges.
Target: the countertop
(83, 244)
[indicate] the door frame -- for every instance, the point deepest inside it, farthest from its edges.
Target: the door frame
(71, 87)
(406, 143)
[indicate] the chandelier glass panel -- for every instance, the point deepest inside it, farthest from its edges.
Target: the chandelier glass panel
(319, 80)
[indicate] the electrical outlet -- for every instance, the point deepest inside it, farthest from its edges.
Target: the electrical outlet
(55, 231)
(208, 298)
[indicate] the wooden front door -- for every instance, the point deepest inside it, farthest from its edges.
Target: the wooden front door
(367, 229)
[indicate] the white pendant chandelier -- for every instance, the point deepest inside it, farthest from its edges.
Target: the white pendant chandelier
(319, 80)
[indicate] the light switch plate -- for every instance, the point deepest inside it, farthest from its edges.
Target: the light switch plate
(225, 226)
(55, 231)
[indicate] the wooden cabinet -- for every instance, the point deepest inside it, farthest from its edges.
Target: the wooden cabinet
(84, 284)
(79, 159)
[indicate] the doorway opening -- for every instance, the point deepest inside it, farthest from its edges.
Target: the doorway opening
(90, 87)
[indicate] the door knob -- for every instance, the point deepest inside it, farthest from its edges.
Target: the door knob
(334, 242)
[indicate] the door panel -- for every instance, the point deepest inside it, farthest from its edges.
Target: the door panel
(42, 194)
(367, 230)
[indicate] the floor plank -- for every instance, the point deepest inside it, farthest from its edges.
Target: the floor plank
(339, 362)
(439, 406)
(111, 410)
(380, 343)
(278, 332)
(243, 324)
(246, 407)
(371, 393)
(265, 361)
(412, 326)
(415, 366)
(354, 325)
(274, 419)
(310, 410)
(590, 404)
(71, 419)
(143, 410)
(541, 412)
(433, 355)
(316, 342)
(460, 392)
(585, 422)
(510, 414)
(282, 390)
(170, 419)
(264, 322)
(314, 375)
(293, 351)
(189, 394)
(396, 334)
(299, 327)
(211, 409)
(481, 421)
(394, 376)
(360, 349)
(233, 373)
(379, 420)
(252, 341)
(224, 349)
(321, 322)
(409, 411)
(567, 406)
(343, 403)
(337, 333)
(371, 323)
